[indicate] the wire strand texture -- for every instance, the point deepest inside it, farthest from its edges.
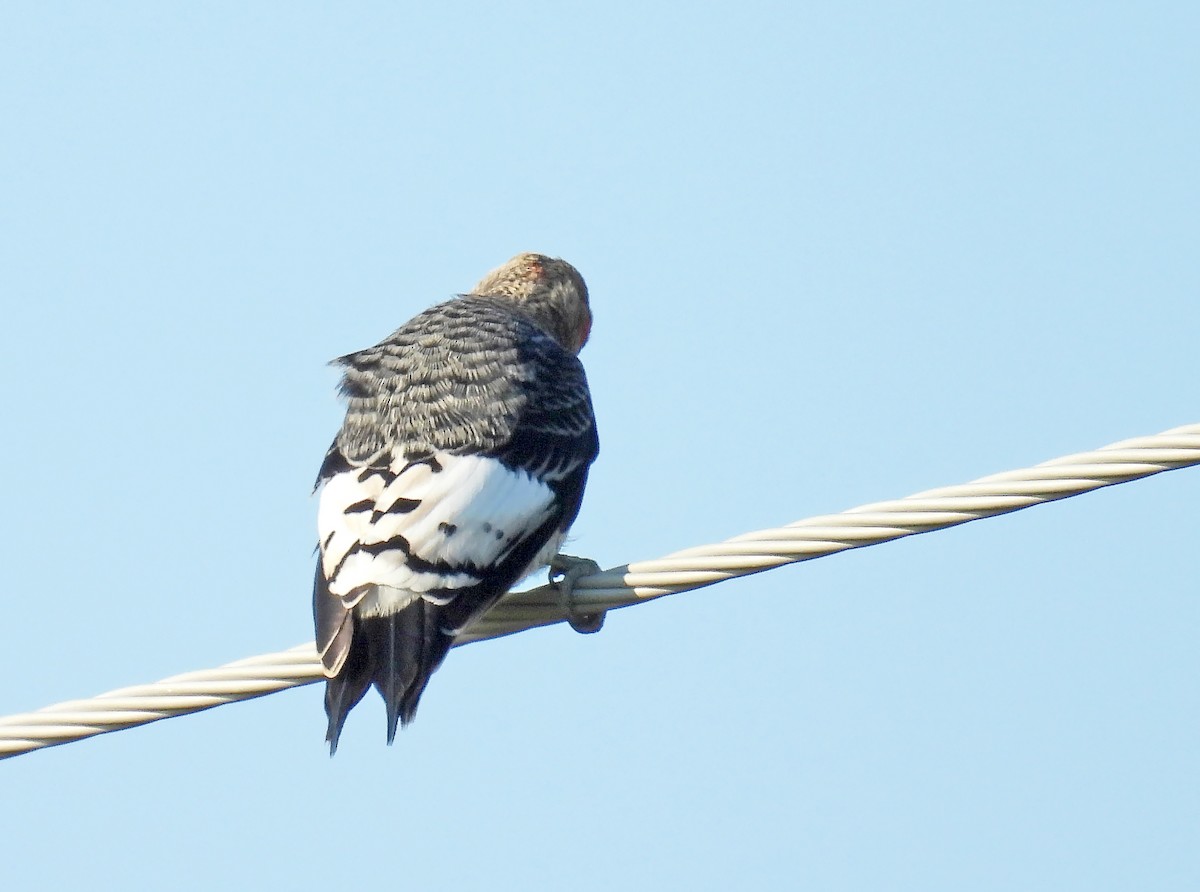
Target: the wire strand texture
(634, 583)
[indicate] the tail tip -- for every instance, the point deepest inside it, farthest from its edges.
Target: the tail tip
(333, 733)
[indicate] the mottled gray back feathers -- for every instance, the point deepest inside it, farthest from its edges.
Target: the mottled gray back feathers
(472, 374)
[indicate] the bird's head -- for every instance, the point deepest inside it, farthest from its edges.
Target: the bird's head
(549, 290)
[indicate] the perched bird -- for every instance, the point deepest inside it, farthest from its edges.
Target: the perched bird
(458, 471)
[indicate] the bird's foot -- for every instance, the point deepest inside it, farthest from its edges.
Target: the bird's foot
(565, 571)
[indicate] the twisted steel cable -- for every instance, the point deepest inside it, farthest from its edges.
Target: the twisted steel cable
(633, 583)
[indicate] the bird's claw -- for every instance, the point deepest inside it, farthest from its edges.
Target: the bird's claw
(565, 571)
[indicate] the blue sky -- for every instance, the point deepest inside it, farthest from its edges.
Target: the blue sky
(837, 253)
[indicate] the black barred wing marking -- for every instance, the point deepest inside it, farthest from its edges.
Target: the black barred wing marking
(424, 529)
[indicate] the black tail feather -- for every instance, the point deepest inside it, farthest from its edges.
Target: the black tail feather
(343, 693)
(391, 663)
(398, 653)
(405, 648)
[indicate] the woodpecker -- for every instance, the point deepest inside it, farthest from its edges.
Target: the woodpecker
(458, 471)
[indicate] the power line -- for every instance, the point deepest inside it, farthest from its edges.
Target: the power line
(634, 583)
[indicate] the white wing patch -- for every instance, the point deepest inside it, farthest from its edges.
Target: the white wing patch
(464, 518)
